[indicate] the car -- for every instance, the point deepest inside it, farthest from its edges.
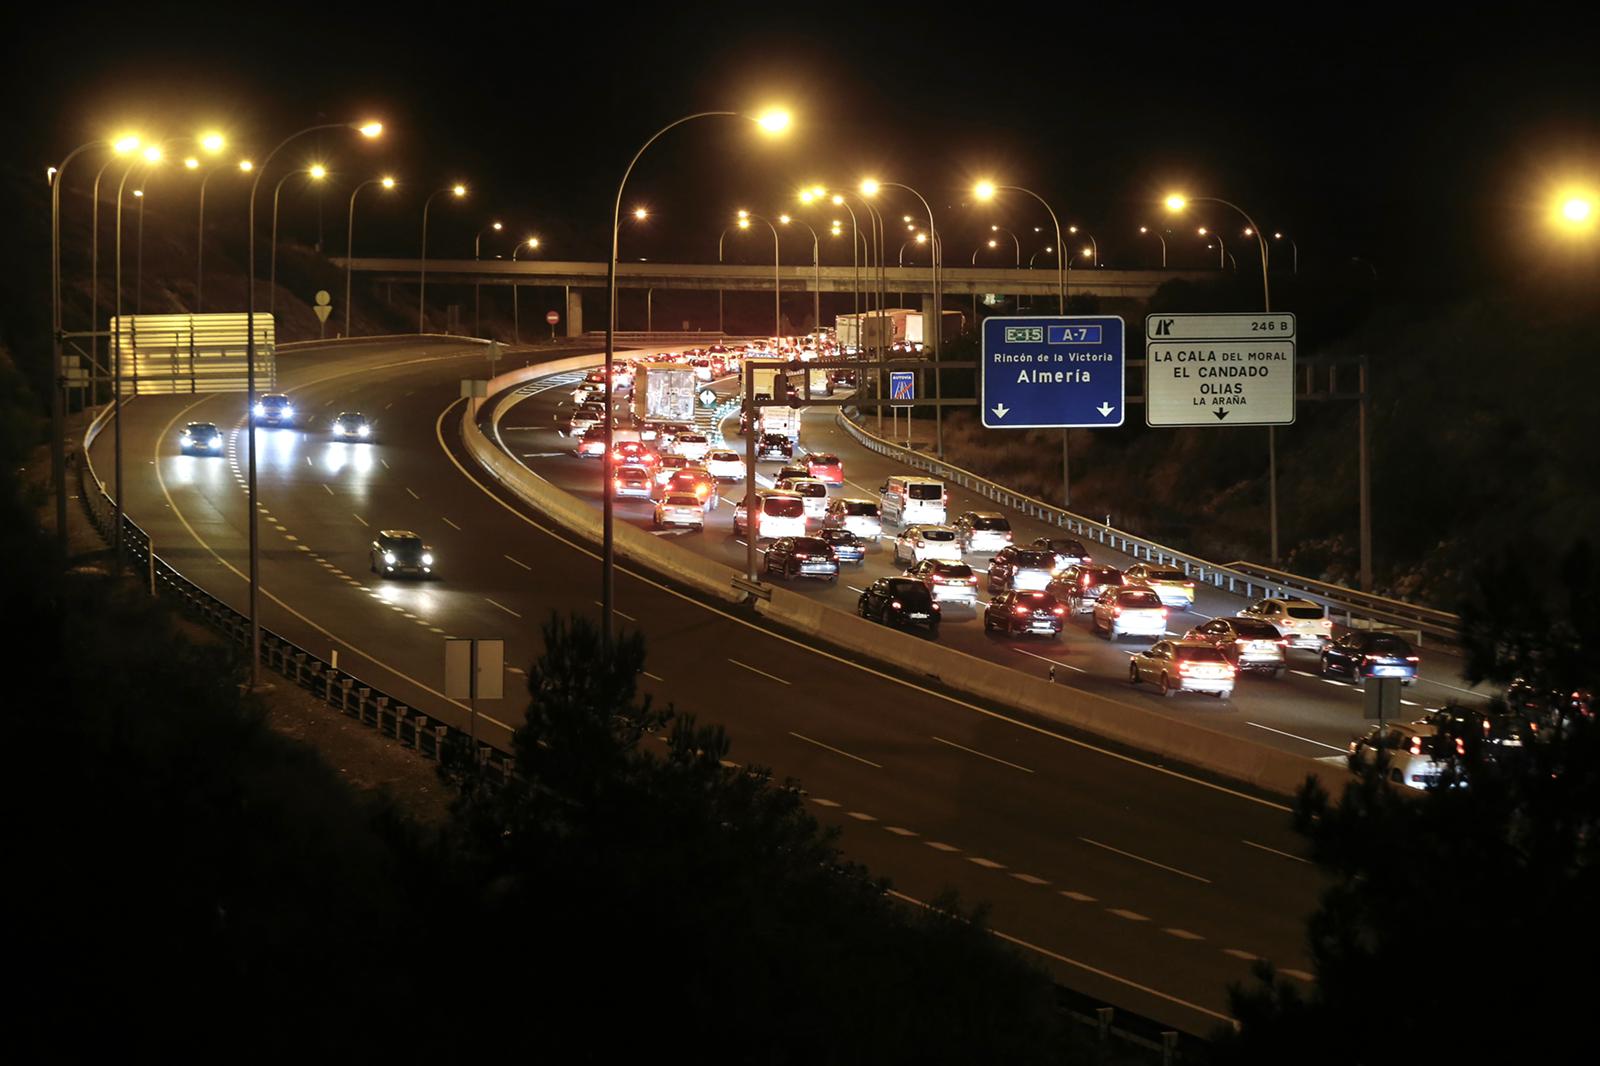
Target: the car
(775, 446)
(983, 532)
(725, 465)
(1020, 568)
(1249, 643)
(586, 391)
(669, 465)
(680, 509)
(585, 418)
(1184, 666)
(273, 409)
(1122, 610)
(826, 467)
(783, 514)
(632, 480)
(596, 377)
(200, 438)
(908, 500)
(899, 601)
(815, 493)
(352, 425)
(695, 481)
(400, 551)
(802, 557)
(692, 445)
(789, 471)
(634, 453)
(847, 547)
(1019, 611)
(917, 543)
(1304, 623)
(857, 515)
(949, 582)
(1412, 754)
(1068, 552)
(1500, 732)
(1079, 586)
(593, 444)
(1175, 588)
(1364, 653)
(1549, 705)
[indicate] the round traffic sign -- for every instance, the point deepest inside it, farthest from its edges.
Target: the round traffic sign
(552, 317)
(322, 298)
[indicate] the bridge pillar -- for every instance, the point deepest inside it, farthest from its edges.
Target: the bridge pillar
(574, 312)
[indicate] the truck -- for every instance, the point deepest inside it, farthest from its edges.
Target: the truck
(784, 421)
(664, 392)
(760, 373)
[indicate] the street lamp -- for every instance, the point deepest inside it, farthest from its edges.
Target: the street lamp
(387, 183)
(477, 287)
(745, 218)
(315, 172)
(986, 190)
(1094, 246)
(1048, 249)
(816, 266)
(369, 130)
(200, 243)
(459, 191)
(1222, 249)
(1293, 248)
(772, 122)
(870, 187)
(516, 319)
(1159, 237)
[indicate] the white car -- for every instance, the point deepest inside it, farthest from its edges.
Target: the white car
(917, 543)
(632, 481)
(586, 391)
(691, 445)
(1175, 588)
(1415, 753)
(857, 515)
(1183, 666)
(679, 509)
(669, 465)
(1305, 624)
(984, 532)
(1121, 610)
(813, 490)
(725, 465)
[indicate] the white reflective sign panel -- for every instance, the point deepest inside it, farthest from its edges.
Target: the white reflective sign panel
(1219, 370)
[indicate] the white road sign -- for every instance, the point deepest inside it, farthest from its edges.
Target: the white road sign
(1219, 370)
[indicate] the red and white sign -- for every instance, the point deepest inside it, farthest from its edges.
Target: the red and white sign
(552, 317)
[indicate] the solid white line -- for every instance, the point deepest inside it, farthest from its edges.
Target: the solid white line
(651, 676)
(504, 608)
(1308, 740)
(763, 673)
(1148, 862)
(983, 755)
(836, 751)
(1058, 662)
(449, 523)
(326, 486)
(358, 518)
(519, 562)
(1275, 851)
(414, 496)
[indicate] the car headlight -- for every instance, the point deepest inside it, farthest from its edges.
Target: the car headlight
(184, 436)
(288, 411)
(216, 442)
(261, 409)
(427, 558)
(388, 557)
(363, 431)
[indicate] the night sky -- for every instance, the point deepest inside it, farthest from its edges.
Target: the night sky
(1426, 149)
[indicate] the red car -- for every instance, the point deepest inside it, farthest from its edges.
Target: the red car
(826, 467)
(635, 453)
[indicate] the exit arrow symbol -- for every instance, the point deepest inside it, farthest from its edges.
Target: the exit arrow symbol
(1001, 410)
(1220, 413)
(1105, 409)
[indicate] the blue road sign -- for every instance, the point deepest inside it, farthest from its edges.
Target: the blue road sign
(1052, 372)
(902, 385)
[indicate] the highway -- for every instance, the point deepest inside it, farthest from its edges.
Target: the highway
(1141, 884)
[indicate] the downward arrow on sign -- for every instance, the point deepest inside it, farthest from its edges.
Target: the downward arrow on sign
(1105, 410)
(1001, 410)
(1220, 413)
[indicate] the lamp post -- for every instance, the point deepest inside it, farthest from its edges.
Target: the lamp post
(245, 166)
(773, 122)
(477, 286)
(457, 190)
(1159, 237)
(315, 172)
(986, 190)
(149, 157)
(816, 266)
(1048, 249)
(720, 238)
(516, 317)
(777, 270)
(1222, 248)
(1294, 250)
(870, 187)
(120, 149)
(350, 240)
(370, 129)
(1177, 203)
(1094, 246)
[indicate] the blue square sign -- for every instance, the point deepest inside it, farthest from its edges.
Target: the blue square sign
(902, 385)
(1052, 371)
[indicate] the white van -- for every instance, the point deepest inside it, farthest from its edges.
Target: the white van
(913, 501)
(783, 514)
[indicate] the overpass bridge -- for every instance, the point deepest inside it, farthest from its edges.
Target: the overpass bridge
(1130, 285)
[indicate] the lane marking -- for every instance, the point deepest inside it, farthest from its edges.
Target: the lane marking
(363, 521)
(1332, 681)
(449, 523)
(385, 463)
(1453, 688)
(836, 751)
(414, 496)
(763, 673)
(328, 487)
(1183, 934)
(841, 660)
(1275, 851)
(1030, 879)
(940, 846)
(1132, 916)
(987, 864)
(1081, 897)
(861, 816)
(519, 562)
(819, 801)
(1304, 673)
(651, 676)
(901, 831)
(1148, 862)
(504, 608)
(983, 755)
(1296, 736)
(1298, 975)
(1058, 662)
(1236, 953)
(631, 618)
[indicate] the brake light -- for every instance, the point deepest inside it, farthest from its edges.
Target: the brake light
(1117, 610)
(1411, 659)
(801, 555)
(1058, 610)
(1085, 580)
(895, 604)
(1461, 747)
(1021, 610)
(1416, 745)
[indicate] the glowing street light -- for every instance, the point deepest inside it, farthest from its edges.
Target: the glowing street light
(246, 166)
(532, 244)
(315, 172)
(1159, 237)
(987, 190)
(640, 214)
(477, 287)
(191, 163)
(386, 182)
(459, 191)
(213, 142)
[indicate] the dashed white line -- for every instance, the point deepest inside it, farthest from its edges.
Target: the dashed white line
(763, 673)
(1132, 916)
(1333, 681)
(504, 608)
(414, 496)
(1304, 673)
(1295, 736)
(1298, 975)
(631, 618)
(1029, 879)
(358, 518)
(385, 463)
(328, 487)
(836, 751)
(1080, 897)
(820, 802)
(519, 562)
(1275, 851)
(651, 676)
(937, 845)
(449, 523)
(901, 831)
(982, 755)
(1147, 862)
(987, 864)
(1236, 953)
(861, 816)
(1184, 934)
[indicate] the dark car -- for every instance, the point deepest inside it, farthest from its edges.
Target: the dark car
(1249, 643)
(790, 471)
(1500, 732)
(1014, 613)
(899, 601)
(775, 446)
(400, 551)
(352, 425)
(1068, 552)
(1362, 653)
(1023, 568)
(1079, 586)
(802, 557)
(200, 438)
(273, 409)
(847, 547)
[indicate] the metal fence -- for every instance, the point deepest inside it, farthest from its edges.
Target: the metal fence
(1246, 579)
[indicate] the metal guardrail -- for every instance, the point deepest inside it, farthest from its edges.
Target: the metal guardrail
(332, 685)
(1245, 579)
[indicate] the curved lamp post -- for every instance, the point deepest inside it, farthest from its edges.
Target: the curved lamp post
(457, 190)
(516, 314)
(315, 172)
(1159, 237)
(986, 190)
(350, 240)
(870, 187)
(245, 166)
(816, 266)
(477, 287)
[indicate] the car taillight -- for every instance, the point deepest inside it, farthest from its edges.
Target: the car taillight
(1022, 610)
(1412, 659)
(1086, 582)
(895, 604)
(801, 555)
(1163, 612)
(1058, 610)
(1117, 611)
